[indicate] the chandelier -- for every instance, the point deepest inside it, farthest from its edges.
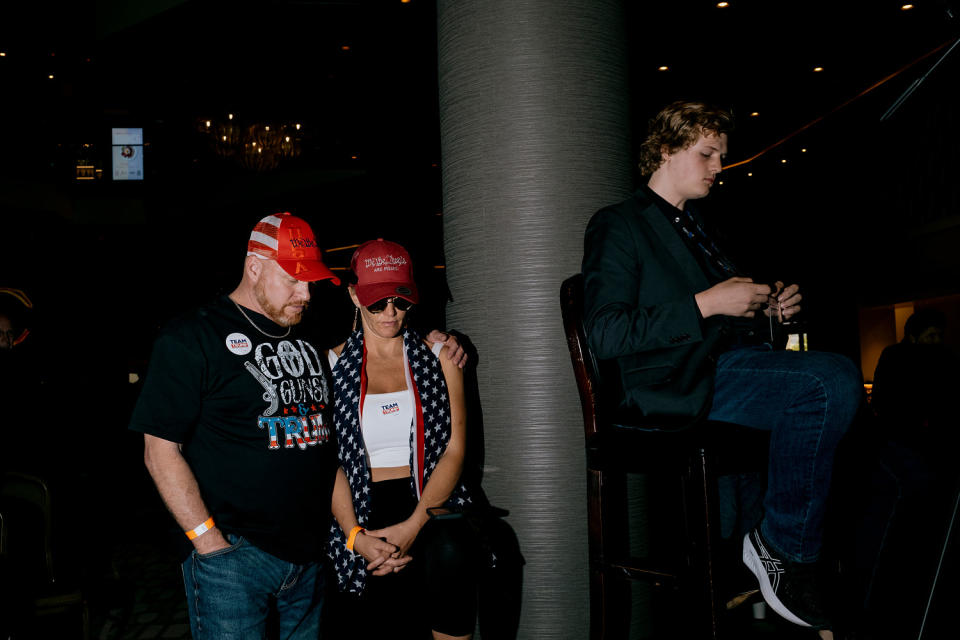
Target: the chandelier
(258, 147)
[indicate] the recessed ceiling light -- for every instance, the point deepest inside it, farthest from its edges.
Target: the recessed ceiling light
(750, 175)
(229, 116)
(723, 5)
(784, 161)
(906, 7)
(50, 76)
(803, 150)
(754, 114)
(817, 69)
(663, 68)
(3, 54)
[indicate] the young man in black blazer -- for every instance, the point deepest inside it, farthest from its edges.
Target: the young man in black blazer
(679, 319)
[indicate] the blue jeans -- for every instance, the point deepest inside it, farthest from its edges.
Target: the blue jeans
(807, 400)
(231, 593)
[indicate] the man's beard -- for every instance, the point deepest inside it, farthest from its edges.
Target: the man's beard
(275, 314)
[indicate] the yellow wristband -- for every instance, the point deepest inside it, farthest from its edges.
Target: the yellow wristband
(353, 536)
(201, 529)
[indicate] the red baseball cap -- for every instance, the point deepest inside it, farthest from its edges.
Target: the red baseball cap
(289, 240)
(383, 270)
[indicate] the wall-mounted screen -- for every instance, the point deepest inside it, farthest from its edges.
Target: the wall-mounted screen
(127, 154)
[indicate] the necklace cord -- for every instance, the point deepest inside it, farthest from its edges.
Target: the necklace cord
(244, 314)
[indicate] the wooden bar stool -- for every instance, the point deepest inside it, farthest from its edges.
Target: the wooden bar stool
(618, 444)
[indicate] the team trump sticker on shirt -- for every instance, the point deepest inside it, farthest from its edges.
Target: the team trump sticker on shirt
(239, 344)
(387, 409)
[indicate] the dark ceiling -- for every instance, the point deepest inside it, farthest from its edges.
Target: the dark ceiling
(286, 59)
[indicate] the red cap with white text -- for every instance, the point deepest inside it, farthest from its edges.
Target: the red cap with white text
(384, 270)
(289, 240)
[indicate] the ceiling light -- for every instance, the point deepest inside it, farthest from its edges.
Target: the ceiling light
(229, 116)
(750, 175)
(723, 5)
(297, 126)
(817, 69)
(3, 54)
(266, 128)
(803, 150)
(754, 114)
(208, 123)
(663, 68)
(784, 161)
(345, 47)
(906, 7)
(721, 182)
(50, 76)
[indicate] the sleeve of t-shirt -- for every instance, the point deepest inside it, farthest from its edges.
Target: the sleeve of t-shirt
(169, 403)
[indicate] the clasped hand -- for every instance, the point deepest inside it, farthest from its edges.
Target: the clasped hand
(742, 297)
(382, 557)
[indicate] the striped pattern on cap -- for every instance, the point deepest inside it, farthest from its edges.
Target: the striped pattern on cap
(263, 239)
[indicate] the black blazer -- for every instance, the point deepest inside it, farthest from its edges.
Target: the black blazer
(640, 313)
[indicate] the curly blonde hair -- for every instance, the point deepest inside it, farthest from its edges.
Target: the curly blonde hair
(678, 126)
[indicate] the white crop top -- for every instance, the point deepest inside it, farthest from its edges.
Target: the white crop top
(386, 421)
(387, 418)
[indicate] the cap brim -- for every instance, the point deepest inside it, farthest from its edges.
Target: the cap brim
(308, 270)
(368, 294)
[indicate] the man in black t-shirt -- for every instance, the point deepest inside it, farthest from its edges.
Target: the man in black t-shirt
(237, 437)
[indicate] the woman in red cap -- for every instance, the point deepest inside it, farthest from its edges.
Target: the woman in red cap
(401, 430)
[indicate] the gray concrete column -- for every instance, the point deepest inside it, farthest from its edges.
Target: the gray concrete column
(535, 138)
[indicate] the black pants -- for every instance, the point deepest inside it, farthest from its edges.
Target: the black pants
(437, 590)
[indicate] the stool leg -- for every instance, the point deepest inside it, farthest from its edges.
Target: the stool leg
(609, 594)
(703, 530)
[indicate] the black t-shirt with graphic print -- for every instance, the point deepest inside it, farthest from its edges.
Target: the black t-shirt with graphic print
(252, 413)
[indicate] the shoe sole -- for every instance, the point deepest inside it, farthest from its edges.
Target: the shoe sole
(752, 559)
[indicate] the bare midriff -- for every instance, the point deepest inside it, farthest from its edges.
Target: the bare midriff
(380, 474)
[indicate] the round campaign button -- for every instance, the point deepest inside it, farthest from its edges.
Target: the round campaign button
(239, 344)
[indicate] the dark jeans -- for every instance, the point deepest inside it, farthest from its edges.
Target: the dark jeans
(233, 592)
(807, 400)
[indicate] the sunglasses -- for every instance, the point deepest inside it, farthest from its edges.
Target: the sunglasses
(400, 304)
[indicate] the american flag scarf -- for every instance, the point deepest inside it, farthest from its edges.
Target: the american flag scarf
(429, 436)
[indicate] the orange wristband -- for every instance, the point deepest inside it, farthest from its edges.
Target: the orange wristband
(353, 536)
(201, 529)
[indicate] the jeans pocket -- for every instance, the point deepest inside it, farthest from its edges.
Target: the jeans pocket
(235, 543)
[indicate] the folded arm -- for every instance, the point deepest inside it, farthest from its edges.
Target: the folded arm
(616, 321)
